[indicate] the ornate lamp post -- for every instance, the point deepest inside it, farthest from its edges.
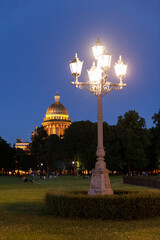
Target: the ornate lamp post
(99, 85)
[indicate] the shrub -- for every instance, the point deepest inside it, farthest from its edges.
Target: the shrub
(133, 205)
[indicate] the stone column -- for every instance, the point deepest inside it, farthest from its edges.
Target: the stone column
(100, 182)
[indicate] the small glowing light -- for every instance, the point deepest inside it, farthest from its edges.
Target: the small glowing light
(98, 48)
(76, 66)
(104, 61)
(95, 73)
(120, 68)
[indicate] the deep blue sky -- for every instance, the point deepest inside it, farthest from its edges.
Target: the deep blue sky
(38, 38)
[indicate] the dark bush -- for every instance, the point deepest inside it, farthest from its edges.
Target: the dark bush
(133, 205)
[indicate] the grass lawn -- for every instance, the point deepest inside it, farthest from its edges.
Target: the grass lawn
(23, 214)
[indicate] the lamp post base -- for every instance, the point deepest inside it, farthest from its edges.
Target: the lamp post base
(100, 183)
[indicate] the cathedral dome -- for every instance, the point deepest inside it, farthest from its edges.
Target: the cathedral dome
(57, 118)
(57, 108)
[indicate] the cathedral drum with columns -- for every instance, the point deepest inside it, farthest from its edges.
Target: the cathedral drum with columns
(57, 118)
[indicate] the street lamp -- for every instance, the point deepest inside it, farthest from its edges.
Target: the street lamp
(99, 85)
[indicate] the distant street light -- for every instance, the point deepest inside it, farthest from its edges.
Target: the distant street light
(98, 85)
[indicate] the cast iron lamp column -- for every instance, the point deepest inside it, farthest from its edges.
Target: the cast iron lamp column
(99, 85)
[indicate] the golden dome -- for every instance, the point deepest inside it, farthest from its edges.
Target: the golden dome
(57, 108)
(57, 118)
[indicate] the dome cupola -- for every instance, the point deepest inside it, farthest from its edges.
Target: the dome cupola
(57, 109)
(57, 118)
(57, 98)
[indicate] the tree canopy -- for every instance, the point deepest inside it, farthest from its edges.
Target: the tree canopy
(129, 147)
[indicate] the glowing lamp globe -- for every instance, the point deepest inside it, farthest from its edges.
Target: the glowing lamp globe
(98, 48)
(76, 66)
(120, 68)
(94, 74)
(104, 61)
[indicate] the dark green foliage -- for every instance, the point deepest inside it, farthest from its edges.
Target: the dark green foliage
(156, 119)
(12, 159)
(118, 206)
(54, 153)
(129, 147)
(6, 156)
(47, 150)
(80, 142)
(113, 148)
(22, 160)
(37, 147)
(156, 137)
(134, 140)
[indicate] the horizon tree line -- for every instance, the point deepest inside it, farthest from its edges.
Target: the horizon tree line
(129, 146)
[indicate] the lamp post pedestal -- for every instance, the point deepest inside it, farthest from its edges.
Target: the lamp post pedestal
(100, 182)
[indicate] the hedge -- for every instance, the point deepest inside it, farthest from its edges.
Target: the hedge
(136, 205)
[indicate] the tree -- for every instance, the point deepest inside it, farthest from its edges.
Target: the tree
(155, 140)
(113, 148)
(47, 150)
(153, 160)
(6, 156)
(134, 140)
(80, 142)
(37, 147)
(22, 160)
(55, 154)
(156, 119)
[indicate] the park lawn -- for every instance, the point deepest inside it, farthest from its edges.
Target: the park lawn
(23, 214)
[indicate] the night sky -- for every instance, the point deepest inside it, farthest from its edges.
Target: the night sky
(38, 39)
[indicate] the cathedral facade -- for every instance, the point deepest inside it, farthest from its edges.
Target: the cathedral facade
(57, 118)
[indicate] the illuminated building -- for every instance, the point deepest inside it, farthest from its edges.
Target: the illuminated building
(57, 118)
(21, 145)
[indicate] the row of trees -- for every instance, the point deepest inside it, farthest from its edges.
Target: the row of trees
(129, 146)
(12, 159)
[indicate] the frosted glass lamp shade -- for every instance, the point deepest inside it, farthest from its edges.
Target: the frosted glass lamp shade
(95, 74)
(76, 66)
(98, 49)
(120, 68)
(104, 61)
